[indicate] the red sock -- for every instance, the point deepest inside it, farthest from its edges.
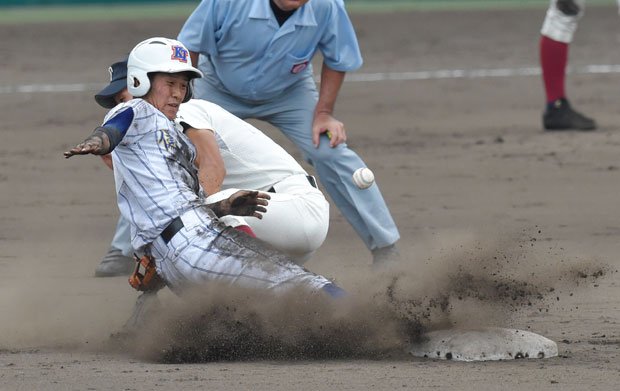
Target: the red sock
(553, 60)
(246, 229)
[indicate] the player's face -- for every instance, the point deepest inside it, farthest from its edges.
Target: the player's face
(123, 96)
(289, 5)
(167, 92)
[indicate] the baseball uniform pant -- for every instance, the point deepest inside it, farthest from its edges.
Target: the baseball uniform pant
(559, 26)
(293, 112)
(122, 237)
(203, 250)
(297, 217)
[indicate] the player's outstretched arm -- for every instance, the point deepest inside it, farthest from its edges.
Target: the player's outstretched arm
(97, 143)
(242, 203)
(105, 138)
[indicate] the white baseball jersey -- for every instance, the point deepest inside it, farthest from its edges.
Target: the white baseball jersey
(252, 160)
(297, 217)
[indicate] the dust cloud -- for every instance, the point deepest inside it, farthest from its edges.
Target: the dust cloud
(478, 284)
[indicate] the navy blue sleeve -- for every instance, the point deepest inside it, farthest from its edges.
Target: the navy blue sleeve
(117, 126)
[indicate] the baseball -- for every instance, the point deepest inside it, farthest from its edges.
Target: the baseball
(363, 178)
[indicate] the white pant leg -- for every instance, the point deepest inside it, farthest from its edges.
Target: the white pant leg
(205, 250)
(560, 27)
(297, 218)
(296, 221)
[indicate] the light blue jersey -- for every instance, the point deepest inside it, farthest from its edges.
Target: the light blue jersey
(156, 180)
(259, 69)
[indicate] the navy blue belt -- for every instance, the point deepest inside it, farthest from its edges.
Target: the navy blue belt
(175, 226)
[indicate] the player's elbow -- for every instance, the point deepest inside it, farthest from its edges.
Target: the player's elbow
(213, 167)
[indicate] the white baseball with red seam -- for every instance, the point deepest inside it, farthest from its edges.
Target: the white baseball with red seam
(363, 178)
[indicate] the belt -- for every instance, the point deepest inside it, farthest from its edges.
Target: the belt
(310, 179)
(175, 226)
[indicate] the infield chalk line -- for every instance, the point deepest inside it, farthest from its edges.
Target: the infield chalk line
(354, 77)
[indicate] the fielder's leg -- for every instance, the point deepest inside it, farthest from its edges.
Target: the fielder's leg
(292, 113)
(365, 209)
(557, 33)
(118, 260)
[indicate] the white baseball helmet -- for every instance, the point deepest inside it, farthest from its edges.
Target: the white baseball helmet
(157, 55)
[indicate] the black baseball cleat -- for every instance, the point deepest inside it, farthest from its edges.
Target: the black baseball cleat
(561, 116)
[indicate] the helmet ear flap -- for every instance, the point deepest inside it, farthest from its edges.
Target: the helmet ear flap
(138, 83)
(188, 92)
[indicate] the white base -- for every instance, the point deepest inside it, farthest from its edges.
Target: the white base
(484, 344)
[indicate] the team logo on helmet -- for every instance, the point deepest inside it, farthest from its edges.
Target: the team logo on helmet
(111, 73)
(179, 53)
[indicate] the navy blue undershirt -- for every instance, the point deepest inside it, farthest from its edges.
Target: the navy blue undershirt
(281, 15)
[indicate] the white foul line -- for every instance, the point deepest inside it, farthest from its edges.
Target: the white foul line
(29, 88)
(472, 74)
(354, 77)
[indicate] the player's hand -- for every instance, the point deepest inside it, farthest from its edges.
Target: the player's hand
(243, 203)
(326, 123)
(94, 144)
(568, 7)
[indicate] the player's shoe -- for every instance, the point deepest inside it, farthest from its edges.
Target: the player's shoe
(114, 263)
(385, 255)
(559, 115)
(145, 309)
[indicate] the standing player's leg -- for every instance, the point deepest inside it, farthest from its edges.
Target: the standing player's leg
(292, 113)
(556, 35)
(118, 261)
(365, 210)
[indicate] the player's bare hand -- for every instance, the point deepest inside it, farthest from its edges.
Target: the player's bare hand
(243, 203)
(326, 123)
(94, 144)
(568, 7)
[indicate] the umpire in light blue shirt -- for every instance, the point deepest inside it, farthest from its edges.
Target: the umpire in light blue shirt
(256, 57)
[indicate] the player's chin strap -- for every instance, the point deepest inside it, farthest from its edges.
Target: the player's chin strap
(144, 277)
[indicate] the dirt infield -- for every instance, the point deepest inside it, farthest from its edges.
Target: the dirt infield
(484, 199)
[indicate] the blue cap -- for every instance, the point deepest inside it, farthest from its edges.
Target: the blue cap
(118, 81)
